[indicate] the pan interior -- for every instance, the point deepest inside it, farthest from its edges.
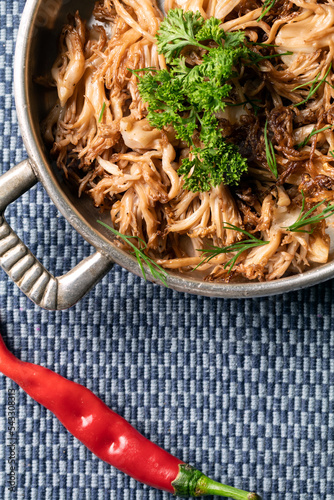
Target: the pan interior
(46, 18)
(49, 18)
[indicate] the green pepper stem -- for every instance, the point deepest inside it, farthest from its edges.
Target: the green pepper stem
(192, 483)
(207, 486)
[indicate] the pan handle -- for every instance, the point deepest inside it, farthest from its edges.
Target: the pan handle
(23, 267)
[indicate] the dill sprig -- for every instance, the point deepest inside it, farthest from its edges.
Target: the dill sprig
(307, 218)
(267, 6)
(157, 272)
(149, 68)
(256, 58)
(315, 84)
(270, 152)
(102, 112)
(239, 247)
(252, 103)
(260, 44)
(311, 134)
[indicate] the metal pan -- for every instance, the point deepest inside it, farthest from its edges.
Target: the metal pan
(35, 52)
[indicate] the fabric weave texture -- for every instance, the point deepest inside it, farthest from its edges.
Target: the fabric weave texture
(242, 389)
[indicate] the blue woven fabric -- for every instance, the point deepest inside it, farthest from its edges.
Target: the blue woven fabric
(243, 389)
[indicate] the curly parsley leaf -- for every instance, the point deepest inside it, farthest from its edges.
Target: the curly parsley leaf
(234, 38)
(210, 166)
(210, 134)
(211, 30)
(189, 98)
(177, 31)
(219, 64)
(207, 95)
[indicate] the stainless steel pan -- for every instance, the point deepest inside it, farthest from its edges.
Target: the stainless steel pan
(35, 52)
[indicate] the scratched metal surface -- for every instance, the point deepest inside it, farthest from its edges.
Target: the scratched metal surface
(243, 389)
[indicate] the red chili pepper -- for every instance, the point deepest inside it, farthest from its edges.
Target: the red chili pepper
(108, 435)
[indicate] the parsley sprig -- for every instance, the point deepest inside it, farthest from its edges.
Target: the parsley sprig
(270, 152)
(181, 29)
(157, 271)
(188, 98)
(305, 219)
(239, 247)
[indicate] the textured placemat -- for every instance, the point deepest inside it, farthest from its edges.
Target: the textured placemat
(243, 389)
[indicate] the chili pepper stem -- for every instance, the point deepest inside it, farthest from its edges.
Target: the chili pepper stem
(207, 486)
(191, 482)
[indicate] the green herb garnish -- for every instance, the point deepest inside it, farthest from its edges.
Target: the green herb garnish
(252, 103)
(315, 84)
(102, 112)
(239, 247)
(267, 6)
(270, 152)
(260, 44)
(247, 101)
(256, 58)
(157, 272)
(149, 68)
(188, 98)
(211, 166)
(305, 219)
(181, 29)
(311, 134)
